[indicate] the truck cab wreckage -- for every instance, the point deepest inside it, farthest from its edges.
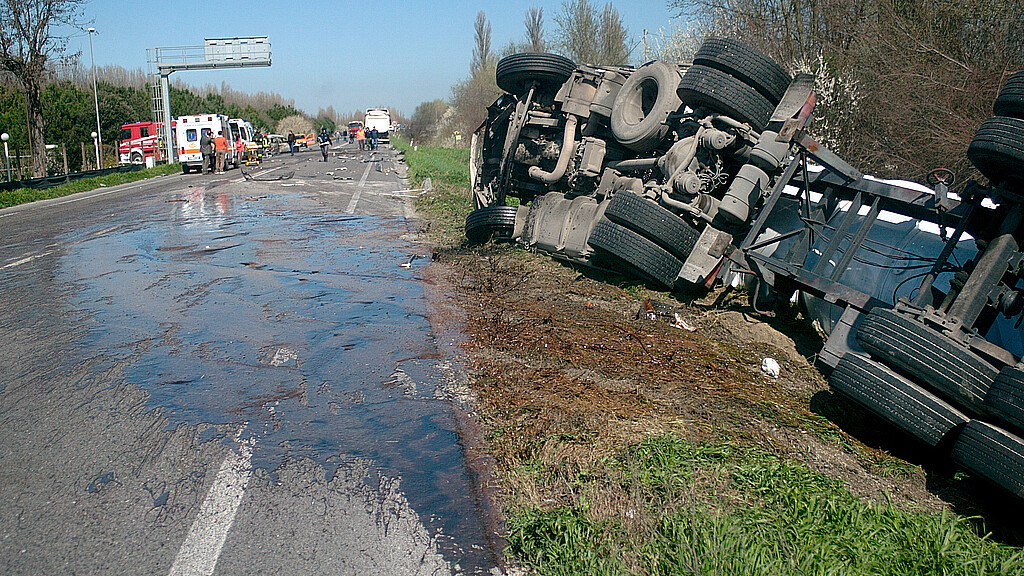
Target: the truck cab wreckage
(708, 173)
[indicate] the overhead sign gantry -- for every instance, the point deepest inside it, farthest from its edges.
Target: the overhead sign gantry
(215, 53)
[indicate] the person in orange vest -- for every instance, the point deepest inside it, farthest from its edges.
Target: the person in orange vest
(220, 145)
(361, 138)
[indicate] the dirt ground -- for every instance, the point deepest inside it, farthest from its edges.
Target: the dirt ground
(570, 366)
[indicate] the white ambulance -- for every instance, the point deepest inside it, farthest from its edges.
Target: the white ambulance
(245, 138)
(189, 130)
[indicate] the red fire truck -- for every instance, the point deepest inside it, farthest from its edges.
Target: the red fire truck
(139, 141)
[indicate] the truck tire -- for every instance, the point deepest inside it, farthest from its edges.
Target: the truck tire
(653, 222)
(515, 73)
(491, 222)
(643, 104)
(714, 89)
(136, 158)
(993, 453)
(998, 149)
(896, 399)
(948, 368)
(639, 255)
(1011, 98)
(740, 61)
(1005, 399)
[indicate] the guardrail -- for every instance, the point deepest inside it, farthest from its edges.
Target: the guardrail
(51, 181)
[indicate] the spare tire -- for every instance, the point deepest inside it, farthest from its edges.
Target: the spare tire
(998, 149)
(706, 86)
(739, 60)
(1011, 99)
(491, 222)
(517, 72)
(643, 105)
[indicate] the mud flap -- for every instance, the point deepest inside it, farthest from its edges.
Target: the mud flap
(706, 255)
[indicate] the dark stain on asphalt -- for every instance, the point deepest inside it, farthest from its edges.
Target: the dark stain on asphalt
(308, 333)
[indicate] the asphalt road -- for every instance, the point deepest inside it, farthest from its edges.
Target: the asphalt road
(205, 374)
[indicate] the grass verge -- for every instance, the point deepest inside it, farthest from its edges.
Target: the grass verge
(731, 510)
(24, 195)
(449, 202)
(625, 446)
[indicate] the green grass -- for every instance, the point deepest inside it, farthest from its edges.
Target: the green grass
(450, 201)
(730, 511)
(25, 195)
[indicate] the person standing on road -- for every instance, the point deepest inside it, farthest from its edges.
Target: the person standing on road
(206, 147)
(374, 138)
(291, 142)
(324, 140)
(361, 138)
(220, 145)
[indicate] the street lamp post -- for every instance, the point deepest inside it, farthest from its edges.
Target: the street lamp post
(96, 101)
(96, 145)
(7, 156)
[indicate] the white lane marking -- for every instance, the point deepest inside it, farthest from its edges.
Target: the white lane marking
(355, 197)
(26, 260)
(201, 549)
(362, 181)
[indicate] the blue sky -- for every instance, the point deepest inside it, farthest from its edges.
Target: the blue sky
(349, 55)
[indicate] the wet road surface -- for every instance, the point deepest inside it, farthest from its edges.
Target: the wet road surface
(211, 375)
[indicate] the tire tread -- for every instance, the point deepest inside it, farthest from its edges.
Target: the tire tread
(703, 85)
(646, 258)
(653, 222)
(896, 399)
(948, 368)
(993, 453)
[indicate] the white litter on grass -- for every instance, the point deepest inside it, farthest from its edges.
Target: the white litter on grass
(682, 323)
(770, 367)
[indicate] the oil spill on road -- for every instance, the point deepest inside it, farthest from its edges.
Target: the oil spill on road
(301, 326)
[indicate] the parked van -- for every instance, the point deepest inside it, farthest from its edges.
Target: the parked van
(189, 130)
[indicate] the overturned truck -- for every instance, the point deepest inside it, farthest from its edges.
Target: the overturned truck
(708, 173)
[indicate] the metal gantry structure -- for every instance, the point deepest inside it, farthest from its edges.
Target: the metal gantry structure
(215, 53)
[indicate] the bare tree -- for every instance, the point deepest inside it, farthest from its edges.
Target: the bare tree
(296, 123)
(612, 38)
(27, 43)
(535, 31)
(578, 31)
(586, 36)
(482, 44)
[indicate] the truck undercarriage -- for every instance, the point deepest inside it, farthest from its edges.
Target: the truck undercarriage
(708, 173)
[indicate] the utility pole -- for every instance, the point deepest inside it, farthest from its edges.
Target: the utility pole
(96, 101)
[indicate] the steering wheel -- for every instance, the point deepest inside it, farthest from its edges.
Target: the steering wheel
(941, 175)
